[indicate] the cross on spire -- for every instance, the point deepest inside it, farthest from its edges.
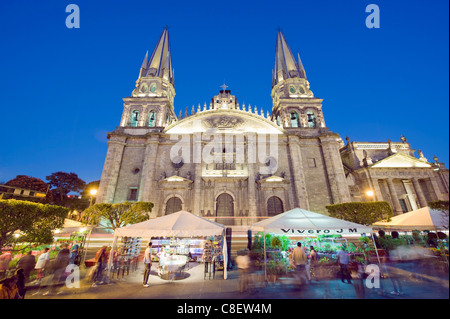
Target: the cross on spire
(224, 87)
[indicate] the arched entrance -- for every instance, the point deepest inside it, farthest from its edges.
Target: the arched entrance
(225, 208)
(274, 206)
(173, 205)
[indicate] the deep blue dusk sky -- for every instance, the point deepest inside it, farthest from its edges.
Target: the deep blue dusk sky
(61, 89)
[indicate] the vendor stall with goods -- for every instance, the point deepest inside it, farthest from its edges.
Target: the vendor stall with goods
(325, 234)
(176, 239)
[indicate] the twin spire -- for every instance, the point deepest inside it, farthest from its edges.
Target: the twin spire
(285, 65)
(160, 62)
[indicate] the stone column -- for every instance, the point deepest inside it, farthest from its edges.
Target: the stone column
(300, 193)
(334, 169)
(420, 195)
(111, 170)
(394, 197)
(147, 189)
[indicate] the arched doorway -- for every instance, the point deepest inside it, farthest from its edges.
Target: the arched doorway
(225, 208)
(274, 206)
(173, 205)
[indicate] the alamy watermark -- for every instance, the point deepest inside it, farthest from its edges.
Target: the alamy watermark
(73, 19)
(373, 19)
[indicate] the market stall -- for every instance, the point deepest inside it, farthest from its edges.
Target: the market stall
(423, 219)
(177, 226)
(300, 222)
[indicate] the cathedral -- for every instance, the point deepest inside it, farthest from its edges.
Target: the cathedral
(233, 163)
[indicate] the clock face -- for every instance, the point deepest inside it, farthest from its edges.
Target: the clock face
(292, 89)
(153, 88)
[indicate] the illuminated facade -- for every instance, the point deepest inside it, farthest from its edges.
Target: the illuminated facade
(234, 162)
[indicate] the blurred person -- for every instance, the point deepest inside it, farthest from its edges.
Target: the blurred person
(162, 258)
(74, 252)
(314, 260)
(243, 264)
(300, 260)
(393, 273)
(147, 264)
(101, 260)
(5, 258)
(8, 288)
(59, 266)
(41, 264)
(27, 263)
(343, 261)
(21, 290)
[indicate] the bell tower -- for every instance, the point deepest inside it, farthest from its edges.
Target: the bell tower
(152, 101)
(294, 104)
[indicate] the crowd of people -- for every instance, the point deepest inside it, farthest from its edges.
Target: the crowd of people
(14, 286)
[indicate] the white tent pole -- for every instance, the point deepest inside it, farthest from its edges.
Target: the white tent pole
(265, 260)
(111, 255)
(225, 255)
(376, 251)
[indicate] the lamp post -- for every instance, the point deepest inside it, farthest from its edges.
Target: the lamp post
(93, 192)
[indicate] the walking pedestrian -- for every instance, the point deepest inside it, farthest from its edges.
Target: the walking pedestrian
(300, 260)
(343, 261)
(21, 290)
(27, 263)
(101, 259)
(243, 264)
(59, 266)
(74, 252)
(313, 258)
(41, 264)
(5, 258)
(147, 264)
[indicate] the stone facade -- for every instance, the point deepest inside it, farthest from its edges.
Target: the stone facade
(232, 162)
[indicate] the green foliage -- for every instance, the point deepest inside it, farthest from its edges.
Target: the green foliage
(118, 215)
(276, 267)
(272, 241)
(22, 221)
(365, 213)
(442, 205)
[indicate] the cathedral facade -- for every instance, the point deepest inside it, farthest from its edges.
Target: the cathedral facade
(232, 162)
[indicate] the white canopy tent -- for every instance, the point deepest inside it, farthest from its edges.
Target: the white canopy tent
(179, 224)
(424, 218)
(301, 222)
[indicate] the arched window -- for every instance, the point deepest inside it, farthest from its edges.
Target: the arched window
(134, 118)
(295, 119)
(274, 206)
(311, 119)
(225, 208)
(173, 205)
(278, 120)
(152, 119)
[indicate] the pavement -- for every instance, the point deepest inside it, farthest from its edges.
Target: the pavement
(193, 286)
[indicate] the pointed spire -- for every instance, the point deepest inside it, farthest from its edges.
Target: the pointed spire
(160, 62)
(285, 65)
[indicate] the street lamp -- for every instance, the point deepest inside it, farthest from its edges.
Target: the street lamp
(93, 192)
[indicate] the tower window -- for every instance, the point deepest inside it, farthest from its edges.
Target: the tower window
(311, 119)
(152, 119)
(132, 194)
(294, 119)
(134, 118)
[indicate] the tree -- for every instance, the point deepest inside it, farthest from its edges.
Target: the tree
(22, 221)
(365, 213)
(64, 183)
(118, 215)
(32, 183)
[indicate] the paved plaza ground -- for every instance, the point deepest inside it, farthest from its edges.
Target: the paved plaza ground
(194, 286)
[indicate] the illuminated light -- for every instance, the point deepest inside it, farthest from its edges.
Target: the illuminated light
(57, 231)
(370, 193)
(93, 192)
(17, 235)
(274, 179)
(82, 229)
